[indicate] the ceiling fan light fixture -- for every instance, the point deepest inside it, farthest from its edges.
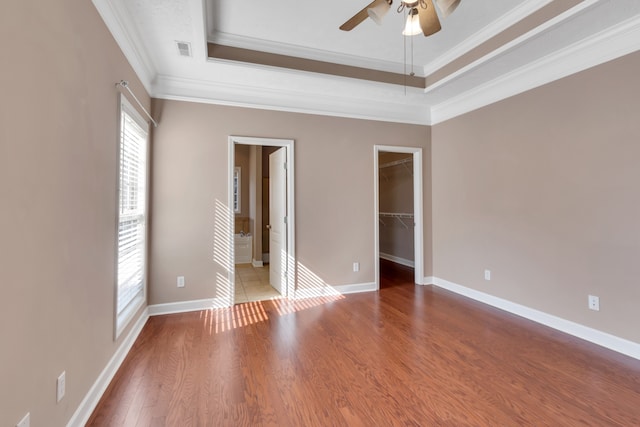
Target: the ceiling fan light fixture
(412, 27)
(378, 11)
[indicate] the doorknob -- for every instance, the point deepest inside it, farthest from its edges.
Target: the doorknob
(268, 226)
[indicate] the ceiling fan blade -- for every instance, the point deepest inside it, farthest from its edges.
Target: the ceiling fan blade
(359, 17)
(429, 21)
(447, 6)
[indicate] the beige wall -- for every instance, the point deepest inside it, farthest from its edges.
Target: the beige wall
(543, 189)
(333, 188)
(58, 132)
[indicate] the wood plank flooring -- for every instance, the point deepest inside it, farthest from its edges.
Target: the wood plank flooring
(404, 356)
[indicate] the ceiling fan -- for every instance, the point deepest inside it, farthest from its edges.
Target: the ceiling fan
(422, 17)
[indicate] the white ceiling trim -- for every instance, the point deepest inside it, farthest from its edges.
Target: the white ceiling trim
(346, 100)
(130, 43)
(617, 41)
(513, 43)
(200, 44)
(317, 76)
(507, 20)
(514, 16)
(339, 105)
(302, 52)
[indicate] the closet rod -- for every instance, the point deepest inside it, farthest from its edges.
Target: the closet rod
(125, 84)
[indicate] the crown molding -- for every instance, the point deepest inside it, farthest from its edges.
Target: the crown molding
(507, 20)
(513, 43)
(307, 53)
(123, 29)
(366, 100)
(496, 27)
(616, 41)
(340, 104)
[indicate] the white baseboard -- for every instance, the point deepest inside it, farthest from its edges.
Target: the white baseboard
(186, 306)
(257, 263)
(91, 399)
(398, 260)
(429, 280)
(207, 304)
(356, 288)
(586, 333)
(326, 291)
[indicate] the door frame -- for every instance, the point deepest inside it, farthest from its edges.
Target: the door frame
(289, 276)
(418, 206)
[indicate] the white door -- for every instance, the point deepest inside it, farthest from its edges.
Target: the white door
(277, 213)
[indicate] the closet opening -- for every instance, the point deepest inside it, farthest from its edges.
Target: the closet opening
(398, 208)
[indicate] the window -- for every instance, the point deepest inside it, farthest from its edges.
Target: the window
(132, 214)
(236, 190)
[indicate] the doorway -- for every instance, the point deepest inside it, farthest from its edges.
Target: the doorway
(398, 232)
(259, 169)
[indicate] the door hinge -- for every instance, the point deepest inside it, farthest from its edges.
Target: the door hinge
(285, 165)
(286, 219)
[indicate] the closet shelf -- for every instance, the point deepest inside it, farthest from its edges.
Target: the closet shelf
(397, 162)
(403, 162)
(399, 216)
(396, 215)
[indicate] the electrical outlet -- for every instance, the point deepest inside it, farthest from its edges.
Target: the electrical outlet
(25, 422)
(487, 275)
(356, 266)
(61, 386)
(594, 303)
(181, 281)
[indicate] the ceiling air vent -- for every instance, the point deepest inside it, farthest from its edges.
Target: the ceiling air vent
(184, 48)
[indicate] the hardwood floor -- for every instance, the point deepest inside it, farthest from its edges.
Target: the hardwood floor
(406, 355)
(393, 274)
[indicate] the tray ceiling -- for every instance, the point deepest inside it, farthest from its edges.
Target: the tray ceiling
(290, 55)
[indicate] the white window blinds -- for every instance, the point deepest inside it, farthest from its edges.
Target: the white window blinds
(132, 209)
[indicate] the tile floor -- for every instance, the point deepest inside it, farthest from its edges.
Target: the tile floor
(252, 284)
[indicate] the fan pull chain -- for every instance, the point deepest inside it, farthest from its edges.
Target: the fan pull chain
(412, 73)
(404, 52)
